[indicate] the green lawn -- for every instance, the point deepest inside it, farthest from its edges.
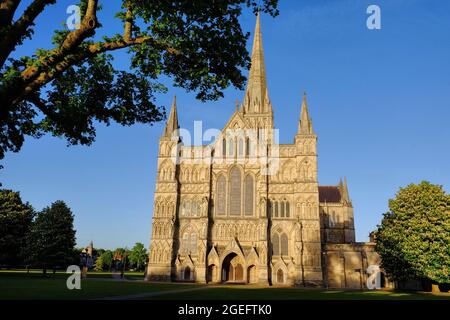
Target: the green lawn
(23, 286)
(251, 293)
(20, 285)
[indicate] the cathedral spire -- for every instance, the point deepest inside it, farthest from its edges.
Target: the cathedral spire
(172, 122)
(256, 95)
(344, 190)
(305, 125)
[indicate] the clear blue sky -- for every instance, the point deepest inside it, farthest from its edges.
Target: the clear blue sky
(379, 99)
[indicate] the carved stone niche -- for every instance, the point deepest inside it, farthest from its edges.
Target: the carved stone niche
(263, 207)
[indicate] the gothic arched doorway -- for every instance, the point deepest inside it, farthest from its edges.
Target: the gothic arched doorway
(251, 274)
(238, 272)
(212, 273)
(280, 276)
(232, 269)
(187, 273)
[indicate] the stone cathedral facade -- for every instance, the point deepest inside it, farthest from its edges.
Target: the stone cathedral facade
(248, 209)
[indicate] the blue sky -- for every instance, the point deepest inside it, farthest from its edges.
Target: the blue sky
(379, 100)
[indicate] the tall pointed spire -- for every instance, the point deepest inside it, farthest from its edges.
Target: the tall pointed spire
(344, 190)
(256, 93)
(305, 125)
(172, 122)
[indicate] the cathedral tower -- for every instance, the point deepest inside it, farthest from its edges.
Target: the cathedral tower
(166, 200)
(307, 198)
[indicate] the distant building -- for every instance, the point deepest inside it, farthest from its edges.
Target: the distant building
(89, 256)
(224, 218)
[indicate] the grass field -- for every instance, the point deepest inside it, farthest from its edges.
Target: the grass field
(19, 285)
(22, 286)
(249, 293)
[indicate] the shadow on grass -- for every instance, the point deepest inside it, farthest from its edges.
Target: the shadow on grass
(23, 286)
(249, 293)
(35, 286)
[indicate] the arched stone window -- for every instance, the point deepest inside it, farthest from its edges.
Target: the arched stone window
(284, 244)
(308, 211)
(249, 191)
(188, 208)
(185, 242)
(241, 147)
(193, 244)
(332, 217)
(183, 209)
(261, 134)
(276, 244)
(163, 209)
(221, 195)
(189, 241)
(224, 147)
(280, 244)
(195, 210)
(281, 209)
(247, 147)
(230, 147)
(235, 192)
(196, 176)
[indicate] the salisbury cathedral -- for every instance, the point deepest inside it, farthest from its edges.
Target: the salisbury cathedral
(247, 209)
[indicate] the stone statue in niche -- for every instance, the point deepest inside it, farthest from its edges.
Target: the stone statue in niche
(263, 206)
(204, 229)
(262, 231)
(205, 206)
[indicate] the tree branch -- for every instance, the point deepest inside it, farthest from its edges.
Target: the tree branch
(128, 22)
(20, 27)
(38, 102)
(7, 10)
(86, 29)
(72, 41)
(70, 53)
(79, 55)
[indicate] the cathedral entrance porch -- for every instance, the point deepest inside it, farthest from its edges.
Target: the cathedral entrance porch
(232, 269)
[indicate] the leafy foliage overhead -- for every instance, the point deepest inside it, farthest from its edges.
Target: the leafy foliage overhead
(66, 89)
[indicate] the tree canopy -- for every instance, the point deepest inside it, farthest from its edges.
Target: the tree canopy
(51, 240)
(107, 259)
(98, 266)
(66, 89)
(138, 255)
(15, 222)
(413, 239)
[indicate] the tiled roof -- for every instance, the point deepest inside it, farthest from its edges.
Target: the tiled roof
(329, 194)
